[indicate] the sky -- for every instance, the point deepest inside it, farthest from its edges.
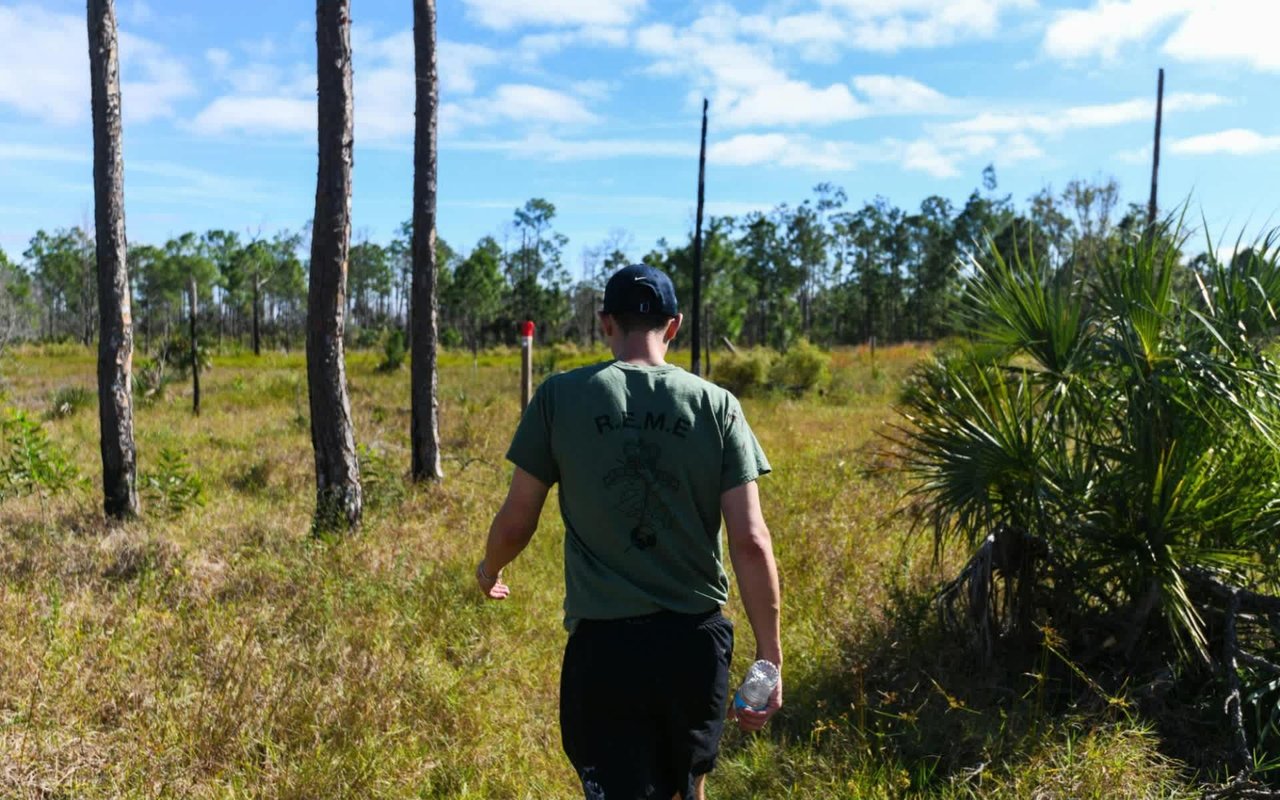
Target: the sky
(595, 106)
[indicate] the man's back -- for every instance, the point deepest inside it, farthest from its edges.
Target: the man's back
(643, 454)
(649, 458)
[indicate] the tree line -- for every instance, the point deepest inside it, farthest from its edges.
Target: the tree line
(823, 269)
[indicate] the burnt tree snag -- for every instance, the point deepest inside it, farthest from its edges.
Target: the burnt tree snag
(338, 497)
(115, 335)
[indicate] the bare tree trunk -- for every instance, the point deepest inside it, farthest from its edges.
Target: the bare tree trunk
(257, 341)
(338, 497)
(695, 364)
(1155, 154)
(195, 354)
(115, 339)
(424, 426)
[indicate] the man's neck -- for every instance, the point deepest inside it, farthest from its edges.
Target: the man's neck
(642, 349)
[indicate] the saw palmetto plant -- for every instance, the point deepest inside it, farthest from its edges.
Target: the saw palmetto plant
(1106, 443)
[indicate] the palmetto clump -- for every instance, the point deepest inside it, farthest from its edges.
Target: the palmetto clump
(1107, 444)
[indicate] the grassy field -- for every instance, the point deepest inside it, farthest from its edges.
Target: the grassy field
(221, 651)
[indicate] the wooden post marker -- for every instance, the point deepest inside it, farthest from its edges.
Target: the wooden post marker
(526, 364)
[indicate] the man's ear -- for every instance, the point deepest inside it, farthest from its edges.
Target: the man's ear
(607, 323)
(673, 327)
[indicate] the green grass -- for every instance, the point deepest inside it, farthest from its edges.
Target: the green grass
(222, 652)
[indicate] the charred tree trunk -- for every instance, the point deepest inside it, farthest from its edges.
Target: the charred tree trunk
(115, 339)
(338, 498)
(195, 354)
(257, 317)
(1155, 155)
(424, 426)
(695, 364)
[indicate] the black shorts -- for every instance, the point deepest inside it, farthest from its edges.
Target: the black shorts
(642, 702)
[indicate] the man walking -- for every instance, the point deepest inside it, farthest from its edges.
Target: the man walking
(648, 457)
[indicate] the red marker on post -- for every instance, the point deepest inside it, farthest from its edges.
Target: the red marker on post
(526, 363)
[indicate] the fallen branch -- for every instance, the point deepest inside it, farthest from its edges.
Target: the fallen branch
(1252, 602)
(1242, 787)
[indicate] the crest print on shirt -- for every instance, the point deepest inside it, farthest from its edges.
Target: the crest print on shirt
(640, 476)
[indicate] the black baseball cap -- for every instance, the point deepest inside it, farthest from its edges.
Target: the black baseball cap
(640, 289)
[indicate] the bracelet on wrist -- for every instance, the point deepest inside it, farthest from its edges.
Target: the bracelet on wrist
(484, 575)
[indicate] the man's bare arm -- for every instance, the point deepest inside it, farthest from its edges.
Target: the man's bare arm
(513, 526)
(751, 551)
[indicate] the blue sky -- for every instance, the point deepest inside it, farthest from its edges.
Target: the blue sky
(594, 105)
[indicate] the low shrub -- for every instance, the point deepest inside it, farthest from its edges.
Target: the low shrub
(800, 370)
(555, 358)
(172, 485)
(393, 352)
(450, 337)
(745, 372)
(380, 482)
(151, 380)
(174, 354)
(29, 462)
(252, 478)
(68, 400)
(365, 338)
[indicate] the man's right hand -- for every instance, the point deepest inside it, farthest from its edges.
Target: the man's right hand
(492, 587)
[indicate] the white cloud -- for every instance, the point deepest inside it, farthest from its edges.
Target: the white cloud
(218, 58)
(1136, 155)
(29, 152)
(818, 36)
(457, 64)
(780, 149)
(927, 157)
(266, 98)
(1107, 26)
(1081, 117)
(593, 89)
(507, 14)
(552, 148)
(1231, 31)
(535, 46)
(788, 102)
(269, 115)
(161, 80)
(746, 86)
(941, 156)
(56, 89)
(384, 104)
(1010, 137)
(138, 13)
(518, 103)
(1234, 142)
(888, 26)
(180, 182)
(897, 94)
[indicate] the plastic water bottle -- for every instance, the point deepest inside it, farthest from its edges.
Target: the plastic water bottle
(757, 687)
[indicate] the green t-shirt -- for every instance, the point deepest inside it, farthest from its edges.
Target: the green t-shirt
(642, 455)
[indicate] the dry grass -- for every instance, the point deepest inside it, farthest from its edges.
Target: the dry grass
(223, 652)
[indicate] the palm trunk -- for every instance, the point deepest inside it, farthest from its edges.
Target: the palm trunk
(115, 340)
(424, 309)
(338, 497)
